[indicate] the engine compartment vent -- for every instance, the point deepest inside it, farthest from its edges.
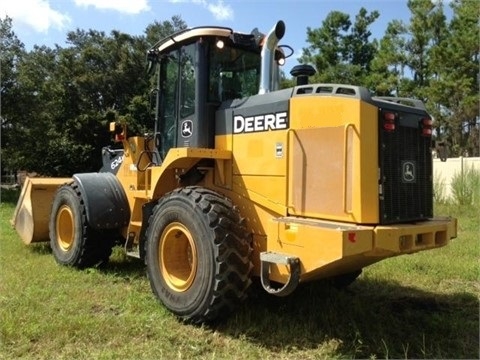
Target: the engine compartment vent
(319, 89)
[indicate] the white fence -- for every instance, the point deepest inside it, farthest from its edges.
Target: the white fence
(444, 171)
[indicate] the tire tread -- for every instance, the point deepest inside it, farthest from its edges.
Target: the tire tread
(232, 251)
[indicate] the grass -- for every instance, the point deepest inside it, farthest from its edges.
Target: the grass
(466, 186)
(419, 306)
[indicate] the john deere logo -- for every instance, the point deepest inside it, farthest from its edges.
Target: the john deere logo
(187, 127)
(409, 172)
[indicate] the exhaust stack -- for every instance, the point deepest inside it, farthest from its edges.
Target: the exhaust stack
(269, 70)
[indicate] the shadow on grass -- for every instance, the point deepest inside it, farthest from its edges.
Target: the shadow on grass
(119, 264)
(42, 248)
(371, 319)
(124, 267)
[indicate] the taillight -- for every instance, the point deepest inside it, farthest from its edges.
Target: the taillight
(389, 121)
(427, 126)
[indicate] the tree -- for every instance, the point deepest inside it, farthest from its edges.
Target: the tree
(159, 30)
(64, 97)
(388, 64)
(341, 51)
(11, 51)
(13, 95)
(456, 87)
(424, 34)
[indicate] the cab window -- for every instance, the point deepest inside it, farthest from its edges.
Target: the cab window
(234, 73)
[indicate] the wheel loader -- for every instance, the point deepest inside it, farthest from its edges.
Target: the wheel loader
(239, 179)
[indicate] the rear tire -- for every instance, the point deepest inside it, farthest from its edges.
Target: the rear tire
(72, 240)
(197, 254)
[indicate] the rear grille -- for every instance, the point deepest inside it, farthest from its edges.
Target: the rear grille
(405, 180)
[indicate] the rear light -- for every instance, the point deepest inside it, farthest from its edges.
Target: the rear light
(427, 126)
(389, 121)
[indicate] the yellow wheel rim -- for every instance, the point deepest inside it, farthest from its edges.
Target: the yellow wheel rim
(178, 257)
(65, 228)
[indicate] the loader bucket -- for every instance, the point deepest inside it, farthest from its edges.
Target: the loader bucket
(32, 214)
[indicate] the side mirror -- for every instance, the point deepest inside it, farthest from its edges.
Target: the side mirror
(152, 60)
(118, 130)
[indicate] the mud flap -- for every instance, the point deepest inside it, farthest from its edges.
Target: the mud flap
(105, 200)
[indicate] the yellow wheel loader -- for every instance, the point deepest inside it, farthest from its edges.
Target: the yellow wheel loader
(239, 179)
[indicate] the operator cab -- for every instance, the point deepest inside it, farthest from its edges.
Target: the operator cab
(198, 70)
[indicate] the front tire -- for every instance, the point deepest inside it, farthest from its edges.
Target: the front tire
(72, 240)
(197, 254)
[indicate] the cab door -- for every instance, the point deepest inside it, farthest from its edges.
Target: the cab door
(181, 101)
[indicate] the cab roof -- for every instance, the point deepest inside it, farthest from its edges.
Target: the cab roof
(197, 32)
(190, 33)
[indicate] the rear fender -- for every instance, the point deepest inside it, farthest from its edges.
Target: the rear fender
(105, 200)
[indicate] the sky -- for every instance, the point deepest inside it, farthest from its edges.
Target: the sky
(46, 22)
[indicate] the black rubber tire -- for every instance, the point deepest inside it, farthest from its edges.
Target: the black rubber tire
(72, 240)
(220, 275)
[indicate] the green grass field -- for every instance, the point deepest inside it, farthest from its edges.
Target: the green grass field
(419, 306)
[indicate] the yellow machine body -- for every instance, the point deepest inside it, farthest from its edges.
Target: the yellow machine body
(315, 200)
